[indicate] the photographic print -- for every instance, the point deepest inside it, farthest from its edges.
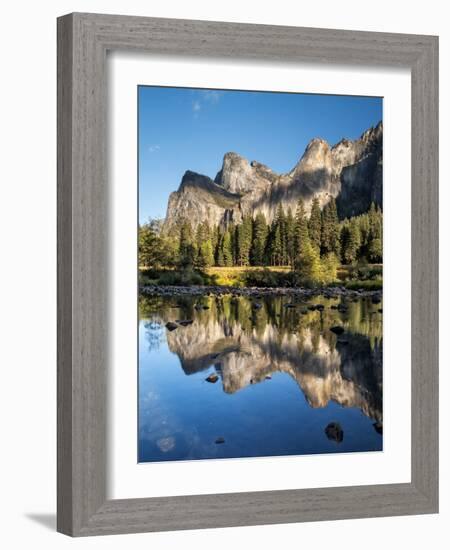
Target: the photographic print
(260, 269)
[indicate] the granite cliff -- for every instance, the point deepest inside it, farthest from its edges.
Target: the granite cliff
(350, 171)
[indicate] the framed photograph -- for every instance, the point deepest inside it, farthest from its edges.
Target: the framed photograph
(247, 274)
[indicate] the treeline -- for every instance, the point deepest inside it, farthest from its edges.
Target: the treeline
(292, 239)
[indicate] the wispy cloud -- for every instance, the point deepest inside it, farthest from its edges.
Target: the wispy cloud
(154, 148)
(205, 97)
(211, 96)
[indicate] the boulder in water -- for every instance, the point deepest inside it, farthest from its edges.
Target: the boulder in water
(334, 432)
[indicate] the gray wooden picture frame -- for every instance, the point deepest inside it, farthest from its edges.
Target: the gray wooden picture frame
(83, 41)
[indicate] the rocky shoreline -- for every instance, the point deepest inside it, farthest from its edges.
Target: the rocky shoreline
(256, 292)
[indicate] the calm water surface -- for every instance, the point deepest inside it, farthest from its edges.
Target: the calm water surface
(286, 384)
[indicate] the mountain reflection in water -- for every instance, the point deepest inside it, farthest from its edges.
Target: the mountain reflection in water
(282, 377)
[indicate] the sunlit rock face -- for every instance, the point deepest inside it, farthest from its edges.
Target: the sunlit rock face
(350, 171)
(198, 199)
(325, 371)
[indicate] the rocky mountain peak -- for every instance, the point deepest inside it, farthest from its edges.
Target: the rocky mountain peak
(189, 177)
(317, 152)
(236, 173)
(373, 134)
(350, 171)
(317, 143)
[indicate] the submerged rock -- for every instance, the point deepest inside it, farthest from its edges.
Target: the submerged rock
(342, 342)
(219, 441)
(185, 322)
(334, 432)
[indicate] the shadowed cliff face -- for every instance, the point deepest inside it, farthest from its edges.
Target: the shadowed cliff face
(246, 347)
(350, 171)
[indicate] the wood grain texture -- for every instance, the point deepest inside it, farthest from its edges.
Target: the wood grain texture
(83, 40)
(64, 275)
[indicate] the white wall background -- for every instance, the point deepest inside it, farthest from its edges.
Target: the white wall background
(28, 271)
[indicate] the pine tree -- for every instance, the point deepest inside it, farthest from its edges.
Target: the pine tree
(227, 252)
(201, 237)
(187, 251)
(325, 231)
(260, 234)
(244, 241)
(276, 245)
(350, 241)
(315, 223)
(233, 229)
(278, 241)
(364, 230)
(289, 238)
(375, 251)
(330, 229)
(373, 221)
(301, 229)
(215, 234)
(219, 256)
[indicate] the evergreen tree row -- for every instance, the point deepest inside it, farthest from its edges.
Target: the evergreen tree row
(254, 242)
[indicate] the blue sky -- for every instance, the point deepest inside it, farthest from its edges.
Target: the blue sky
(190, 129)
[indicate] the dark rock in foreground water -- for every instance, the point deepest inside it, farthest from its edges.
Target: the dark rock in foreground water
(171, 326)
(334, 432)
(256, 292)
(219, 440)
(378, 427)
(212, 378)
(337, 330)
